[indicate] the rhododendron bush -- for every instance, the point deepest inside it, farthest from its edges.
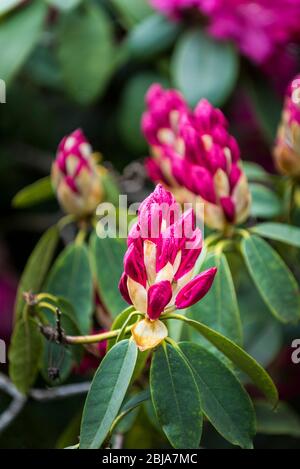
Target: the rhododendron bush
(149, 271)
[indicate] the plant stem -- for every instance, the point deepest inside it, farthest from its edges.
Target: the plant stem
(94, 338)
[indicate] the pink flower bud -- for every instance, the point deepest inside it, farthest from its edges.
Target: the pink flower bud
(200, 163)
(287, 147)
(75, 175)
(158, 269)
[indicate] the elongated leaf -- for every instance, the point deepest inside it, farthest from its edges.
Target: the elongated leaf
(175, 397)
(34, 194)
(223, 399)
(279, 232)
(239, 357)
(24, 354)
(265, 203)
(86, 52)
(107, 393)
(124, 421)
(283, 421)
(272, 278)
(19, 34)
(107, 261)
(197, 65)
(66, 5)
(255, 172)
(8, 5)
(152, 36)
(71, 278)
(132, 11)
(37, 267)
(219, 308)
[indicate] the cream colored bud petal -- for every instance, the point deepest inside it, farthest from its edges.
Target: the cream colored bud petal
(221, 183)
(207, 141)
(138, 295)
(150, 260)
(166, 273)
(177, 262)
(179, 284)
(69, 200)
(166, 136)
(242, 199)
(70, 141)
(85, 149)
(148, 334)
(71, 165)
(212, 215)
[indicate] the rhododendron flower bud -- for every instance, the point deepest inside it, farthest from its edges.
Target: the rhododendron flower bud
(75, 175)
(287, 148)
(158, 267)
(204, 167)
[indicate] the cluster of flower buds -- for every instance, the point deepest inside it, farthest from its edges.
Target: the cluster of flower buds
(163, 247)
(195, 157)
(75, 175)
(287, 147)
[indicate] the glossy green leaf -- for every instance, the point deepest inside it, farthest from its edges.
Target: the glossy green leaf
(24, 354)
(265, 203)
(107, 260)
(8, 5)
(34, 194)
(223, 399)
(198, 64)
(132, 106)
(175, 397)
(132, 11)
(19, 33)
(273, 279)
(219, 308)
(152, 36)
(123, 422)
(71, 278)
(255, 172)
(284, 420)
(37, 267)
(279, 232)
(88, 32)
(107, 393)
(64, 5)
(238, 356)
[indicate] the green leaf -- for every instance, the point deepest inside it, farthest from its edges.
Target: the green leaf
(107, 393)
(24, 354)
(267, 106)
(152, 36)
(281, 421)
(224, 401)
(198, 64)
(71, 278)
(279, 232)
(86, 52)
(64, 5)
(54, 354)
(219, 308)
(255, 172)
(118, 323)
(132, 106)
(120, 424)
(132, 11)
(175, 397)
(111, 188)
(37, 267)
(273, 279)
(19, 33)
(265, 203)
(107, 260)
(238, 356)
(34, 193)
(8, 5)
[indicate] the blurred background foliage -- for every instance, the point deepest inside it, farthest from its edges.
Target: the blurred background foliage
(88, 64)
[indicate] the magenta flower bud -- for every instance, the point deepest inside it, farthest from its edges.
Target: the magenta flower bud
(157, 268)
(287, 147)
(76, 178)
(196, 289)
(200, 163)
